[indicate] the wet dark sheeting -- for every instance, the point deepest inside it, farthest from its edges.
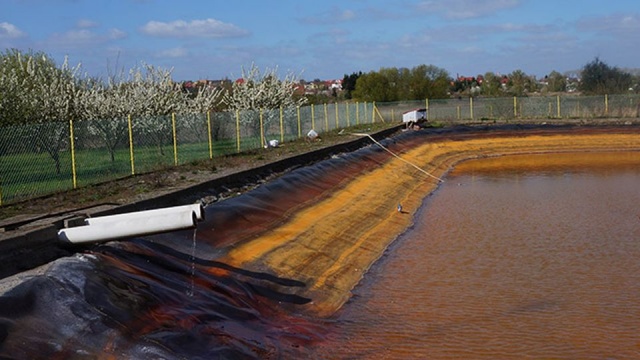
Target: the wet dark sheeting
(166, 296)
(143, 300)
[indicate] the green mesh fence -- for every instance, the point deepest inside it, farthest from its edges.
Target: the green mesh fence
(101, 150)
(41, 158)
(33, 160)
(623, 106)
(223, 133)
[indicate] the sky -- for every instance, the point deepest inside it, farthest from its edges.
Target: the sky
(217, 39)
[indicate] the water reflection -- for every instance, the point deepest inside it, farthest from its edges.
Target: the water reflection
(537, 262)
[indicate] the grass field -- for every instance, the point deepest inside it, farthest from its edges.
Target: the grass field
(31, 174)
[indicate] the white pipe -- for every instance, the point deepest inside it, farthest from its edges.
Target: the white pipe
(195, 208)
(132, 225)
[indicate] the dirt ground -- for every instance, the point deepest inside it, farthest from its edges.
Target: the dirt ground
(146, 186)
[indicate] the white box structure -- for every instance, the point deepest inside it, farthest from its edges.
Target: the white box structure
(414, 115)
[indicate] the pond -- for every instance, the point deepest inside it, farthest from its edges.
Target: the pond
(527, 256)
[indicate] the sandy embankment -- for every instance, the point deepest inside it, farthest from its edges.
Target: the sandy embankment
(330, 244)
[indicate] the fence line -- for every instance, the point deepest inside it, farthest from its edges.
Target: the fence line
(42, 158)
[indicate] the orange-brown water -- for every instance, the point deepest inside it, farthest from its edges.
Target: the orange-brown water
(532, 256)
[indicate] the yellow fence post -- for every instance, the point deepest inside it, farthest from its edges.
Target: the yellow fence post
(558, 106)
(263, 141)
(73, 154)
(133, 167)
(375, 108)
(459, 112)
(313, 118)
(365, 111)
(175, 139)
(337, 121)
(326, 118)
(237, 130)
(346, 104)
(209, 133)
(471, 107)
(426, 103)
(606, 105)
(299, 124)
(515, 107)
(281, 124)
(373, 113)
(357, 113)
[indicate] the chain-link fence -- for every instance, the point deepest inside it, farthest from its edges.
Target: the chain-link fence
(518, 108)
(43, 158)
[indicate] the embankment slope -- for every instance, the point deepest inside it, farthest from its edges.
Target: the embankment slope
(331, 241)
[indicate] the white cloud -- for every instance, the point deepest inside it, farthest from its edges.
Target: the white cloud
(333, 35)
(116, 34)
(78, 36)
(208, 28)
(83, 37)
(86, 24)
(178, 52)
(330, 16)
(346, 15)
(10, 31)
(466, 9)
(617, 24)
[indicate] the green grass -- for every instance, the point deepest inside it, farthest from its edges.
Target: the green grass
(31, 174)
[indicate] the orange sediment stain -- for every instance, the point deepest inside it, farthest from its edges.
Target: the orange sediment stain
(331, 244)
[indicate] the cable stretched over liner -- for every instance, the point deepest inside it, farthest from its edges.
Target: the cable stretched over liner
(392, 153)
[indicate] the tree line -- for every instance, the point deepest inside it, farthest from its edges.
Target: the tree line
(34, 89)
(428, 81)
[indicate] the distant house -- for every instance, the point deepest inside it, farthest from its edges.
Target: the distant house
(335, 84)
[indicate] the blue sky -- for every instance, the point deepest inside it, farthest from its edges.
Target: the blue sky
(326, 39)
